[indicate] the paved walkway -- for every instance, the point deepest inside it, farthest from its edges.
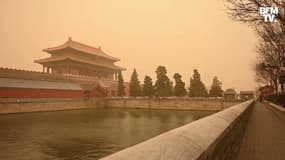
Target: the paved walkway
(264, 137)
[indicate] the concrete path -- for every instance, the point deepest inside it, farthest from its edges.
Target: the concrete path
(264, 137)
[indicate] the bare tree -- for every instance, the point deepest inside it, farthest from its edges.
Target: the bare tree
(271, 49)
(247, 11)
(271, 36)
(263, 76)
(267, 56)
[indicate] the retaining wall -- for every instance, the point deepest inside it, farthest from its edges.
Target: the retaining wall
(17, 105)
(40, 105)
(175, 103)
(215, 137)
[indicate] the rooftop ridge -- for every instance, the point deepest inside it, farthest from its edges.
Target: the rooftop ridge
(83, 47)
(86, 45)
(99, 49)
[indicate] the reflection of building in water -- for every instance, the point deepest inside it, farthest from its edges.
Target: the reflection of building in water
(73, 70)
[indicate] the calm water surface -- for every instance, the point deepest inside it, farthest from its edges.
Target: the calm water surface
(83, 134)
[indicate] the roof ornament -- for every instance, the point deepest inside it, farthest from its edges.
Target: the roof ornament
(99, 47)
(69, 39)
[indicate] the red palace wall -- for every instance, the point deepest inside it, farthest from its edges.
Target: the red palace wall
(20, 92)
(96, 94)
(39, 93)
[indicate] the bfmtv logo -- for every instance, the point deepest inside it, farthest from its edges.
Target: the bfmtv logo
(269, 13)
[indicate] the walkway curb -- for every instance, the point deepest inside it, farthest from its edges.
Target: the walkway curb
(276, 106)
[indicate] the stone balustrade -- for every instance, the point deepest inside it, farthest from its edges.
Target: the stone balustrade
(215, 137)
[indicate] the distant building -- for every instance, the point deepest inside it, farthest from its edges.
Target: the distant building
(245, 95)
(230, 94)
(266, 90)
(74, 70)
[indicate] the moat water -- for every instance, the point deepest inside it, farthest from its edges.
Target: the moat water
(83, 134)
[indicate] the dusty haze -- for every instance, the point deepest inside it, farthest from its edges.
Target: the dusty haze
(181, 35)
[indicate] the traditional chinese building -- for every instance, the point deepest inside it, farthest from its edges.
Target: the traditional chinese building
(74, 58)
(230, 94)
(73, 70)
(246, 95)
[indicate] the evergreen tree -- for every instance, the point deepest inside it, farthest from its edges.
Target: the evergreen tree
(121, 86)
(162, 84)
(148, 89)
(197, 87)
(135, 88)
(179, 89)
(216, 88)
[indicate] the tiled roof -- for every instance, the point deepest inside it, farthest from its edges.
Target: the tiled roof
(52, 59)
(82, 48)
(230, 91)
(37, 84)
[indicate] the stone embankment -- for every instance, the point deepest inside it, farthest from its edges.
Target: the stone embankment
(214, 137)
(172, 103)
(41, 105)
(18, 105)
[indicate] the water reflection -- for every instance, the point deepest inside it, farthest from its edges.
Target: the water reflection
(83, 134)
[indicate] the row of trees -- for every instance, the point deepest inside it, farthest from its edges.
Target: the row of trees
(163, 87)
(271, 36)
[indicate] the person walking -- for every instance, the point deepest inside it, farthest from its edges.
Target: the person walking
(261, 98)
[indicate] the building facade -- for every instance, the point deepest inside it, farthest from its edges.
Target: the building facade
(246, 95)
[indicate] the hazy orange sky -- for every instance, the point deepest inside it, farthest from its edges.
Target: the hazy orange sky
(180, 34)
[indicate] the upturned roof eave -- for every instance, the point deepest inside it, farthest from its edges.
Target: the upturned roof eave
(47, 60)
(69, 44)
